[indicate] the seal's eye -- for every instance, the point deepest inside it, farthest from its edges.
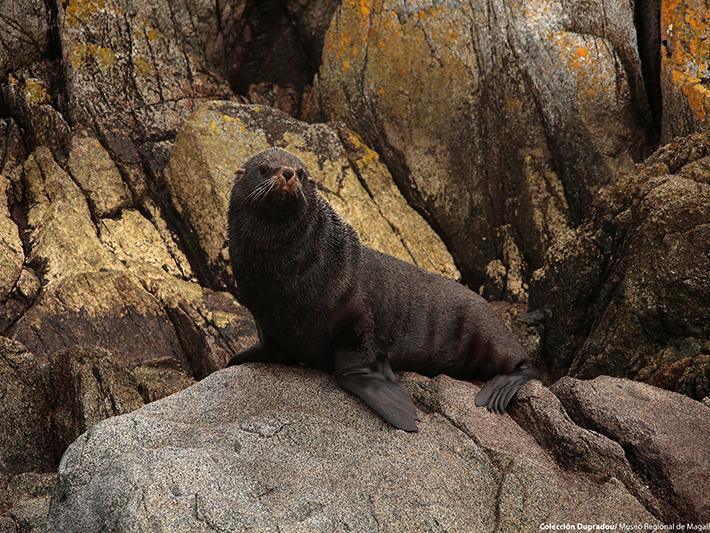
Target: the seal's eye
(301, 173)
(263, 169)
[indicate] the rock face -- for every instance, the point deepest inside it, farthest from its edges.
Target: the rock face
(122, 125)
(221, 136)
(25, 33)
(268, 447)
(500, 120)
(685, 67)
(629, 294)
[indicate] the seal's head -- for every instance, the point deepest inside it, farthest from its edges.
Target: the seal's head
(273, 182)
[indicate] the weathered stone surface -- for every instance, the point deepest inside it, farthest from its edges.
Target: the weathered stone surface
(96, 174)
(26, 502)
(311, 19)
(11, 253)
(12, 152)
(29, 97)
(133, 70)
(25, 438)
(91, 384)
(665, 443)
(221, 136)
(269, 447)
(109, 309)
(135, 241)
(118, 282)
(629, 293)
(685, 67)
(499, 120)
(24, 33)
(212, 326)
(63, 237)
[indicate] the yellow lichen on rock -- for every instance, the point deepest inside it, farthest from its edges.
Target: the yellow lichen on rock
(81, 54)
(35, 92)
(79, 10)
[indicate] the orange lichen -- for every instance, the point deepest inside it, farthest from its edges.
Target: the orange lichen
(582, 52)
(424, 14)
(685, 25)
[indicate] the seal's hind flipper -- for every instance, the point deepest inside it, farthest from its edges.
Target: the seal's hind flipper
(497, 393)
(379, 388)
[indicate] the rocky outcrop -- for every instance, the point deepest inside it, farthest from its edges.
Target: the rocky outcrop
(268, 447)
(499, 120)
(24, 27)
(122, 125)
(629, 293)
(685, 67)
(47, 404)
(25, 431)
(221, 136)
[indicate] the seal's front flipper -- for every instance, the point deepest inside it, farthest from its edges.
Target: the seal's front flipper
(497, 393)
(259, 353)
(378, 387)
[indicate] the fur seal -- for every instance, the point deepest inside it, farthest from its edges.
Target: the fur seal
(321, 298)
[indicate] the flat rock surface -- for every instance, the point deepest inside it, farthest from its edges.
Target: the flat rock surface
(276, 448)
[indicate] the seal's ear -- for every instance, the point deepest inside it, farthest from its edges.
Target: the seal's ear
(239, 173)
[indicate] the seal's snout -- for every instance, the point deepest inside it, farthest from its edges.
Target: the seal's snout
(287, 173)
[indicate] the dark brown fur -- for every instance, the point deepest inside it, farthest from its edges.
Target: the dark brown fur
(321, 298)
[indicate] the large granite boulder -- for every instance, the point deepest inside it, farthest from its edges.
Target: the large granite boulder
(218, 139)
(276, 448)
(498, 119)
(629, 293)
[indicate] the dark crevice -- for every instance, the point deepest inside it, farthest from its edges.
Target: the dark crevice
(179, 225)
(647, 19)
(276, 53)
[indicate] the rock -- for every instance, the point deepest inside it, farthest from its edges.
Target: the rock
(266, 447)
(25, 435)
(13, 152)
(24, 27)
(114, 276)
(665, 443)
(274, 51)
(221, 136)
(63, 236)
(91, 384)
(29, 97)
(25, 510)
(96, 174)
(685, 69)
(133, 71)
(629, 293)
(286, 99)
(11, 253)
(108, 309)
(88, 386)
(311, 19)
(511, 115)
(158, 379)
